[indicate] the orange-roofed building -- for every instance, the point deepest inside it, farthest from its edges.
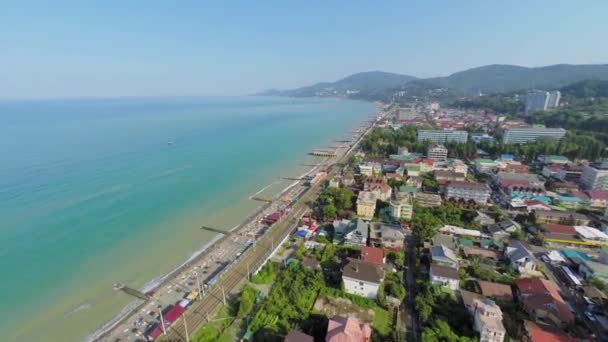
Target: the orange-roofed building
(347, 329)
(535, 333)
(373, 255)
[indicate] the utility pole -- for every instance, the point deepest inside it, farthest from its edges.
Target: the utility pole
(223, 295)
(248, 271)
(198, 284)
(162, 322)
(186, 328)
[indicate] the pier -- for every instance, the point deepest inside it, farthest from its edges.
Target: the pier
(215, 230)
(324, 153)
(261, 199)
(131, 291)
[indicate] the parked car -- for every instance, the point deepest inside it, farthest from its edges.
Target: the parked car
(590, 316)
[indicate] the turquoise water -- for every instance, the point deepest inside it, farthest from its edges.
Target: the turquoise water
(92, 192)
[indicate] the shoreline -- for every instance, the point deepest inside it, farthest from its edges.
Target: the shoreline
(132, 308)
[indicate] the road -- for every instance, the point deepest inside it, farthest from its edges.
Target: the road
(411, 315)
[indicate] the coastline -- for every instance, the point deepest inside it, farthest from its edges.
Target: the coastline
(197, 256)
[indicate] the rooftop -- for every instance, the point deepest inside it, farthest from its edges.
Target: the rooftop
(360, 270)
(372, 255)
(539, 334)
(444, 271)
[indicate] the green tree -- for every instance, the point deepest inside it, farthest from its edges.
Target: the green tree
(330, 211)
(425, 224)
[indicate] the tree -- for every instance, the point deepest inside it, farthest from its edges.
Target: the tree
(425, 225)
(330, 211)
(397, 259)
(424, 307)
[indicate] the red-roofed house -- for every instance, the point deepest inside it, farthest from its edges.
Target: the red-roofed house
(347, 329)
(378, 186)
(598, 198)
(272, 218)
(373, 255)
(541, 299)
(537, 334)
(559, 231)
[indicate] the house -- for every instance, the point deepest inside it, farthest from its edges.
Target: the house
(297, 336)
(468, 191)
(445, 176)
(521, 259)
(502, 229)
(553, 159)
(483, 219)
(444, 276)
(560, 217)
(468, 300)
(487, 321)
(415, 181)
(536, 333)
(591, 234)
(387, 235)
(445, 240)
(341, 226)
(362, 278)
(534, 205)
(379, 187)
(485, 165)
(558, 232)
(495, 290)
(541, 299)
(427, 200)
(442, 255)
(373, 255)
(598, 198)
(481, 252)
(366, 205)
(347, 329)
(348, 179)
(412, 170)
(357, 234)
(370, 168)
(570, 173)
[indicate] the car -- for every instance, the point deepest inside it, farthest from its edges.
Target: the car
(590, 316)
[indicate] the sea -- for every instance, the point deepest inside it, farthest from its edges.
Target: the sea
(99, 191)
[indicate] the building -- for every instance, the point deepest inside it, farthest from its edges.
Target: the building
(541, 299)
(570, 173)
(595, 176)
(560, 217)
(468, 191)
(437, 152)
(373, 255)
(495, 290)
(297, 336)
(347, 329)
(370, 168)
(442, 136)
(487, 321)
(366, 205)
(427, 200)
(445, 176)
(540, 101)
(378, 186)
(553, 159)
(387, 236)
(362, 278)
(357, 234)
(593, 269)
(401, 206)
(597, 199)
(444, 276)
(526, 135)
(441, 255)
(485, 165)
(520, 258)
(536, 333)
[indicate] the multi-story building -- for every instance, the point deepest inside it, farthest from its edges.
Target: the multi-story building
(525, 135)
(427, 200)
(595, 176)
(401, 206)
(437, 152)
(477, 192)
(442, 136)
(362, 279)
(370, 168)
(539, 101)
(366, 205)
(487, 317)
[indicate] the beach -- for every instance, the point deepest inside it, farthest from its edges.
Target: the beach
(77, 305)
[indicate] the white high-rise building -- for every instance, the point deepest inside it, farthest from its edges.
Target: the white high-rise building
(442, 137)
(539, 101)
(437, 152)
(595, 176)
(525, 135)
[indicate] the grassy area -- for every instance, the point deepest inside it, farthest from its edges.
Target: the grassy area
(267, 274)
(211, 331)
(383, 322)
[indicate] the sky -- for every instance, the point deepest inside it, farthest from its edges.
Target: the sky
(113, 48)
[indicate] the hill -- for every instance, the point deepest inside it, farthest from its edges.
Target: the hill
(586, 89)
(363, 82)
(506, 78)
(490, 79)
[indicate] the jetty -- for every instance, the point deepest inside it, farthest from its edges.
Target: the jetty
(324, 153)
(215, 230)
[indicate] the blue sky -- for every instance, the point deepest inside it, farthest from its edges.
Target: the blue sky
(154, 48)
